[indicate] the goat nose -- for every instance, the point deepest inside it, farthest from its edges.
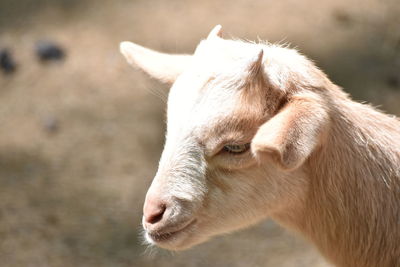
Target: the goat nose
(153, 211)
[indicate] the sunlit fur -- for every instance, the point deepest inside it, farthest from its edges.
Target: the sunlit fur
(320, 163)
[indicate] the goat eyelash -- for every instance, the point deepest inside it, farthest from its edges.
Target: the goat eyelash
(236, 149)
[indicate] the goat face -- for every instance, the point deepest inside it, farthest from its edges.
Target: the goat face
(221, 120)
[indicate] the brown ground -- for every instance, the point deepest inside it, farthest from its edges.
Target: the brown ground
(80, 140)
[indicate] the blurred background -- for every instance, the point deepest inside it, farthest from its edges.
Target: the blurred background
(81, 131)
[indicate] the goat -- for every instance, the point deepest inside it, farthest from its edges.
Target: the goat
(256, 130)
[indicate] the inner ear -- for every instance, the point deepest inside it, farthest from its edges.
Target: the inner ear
(290, 137)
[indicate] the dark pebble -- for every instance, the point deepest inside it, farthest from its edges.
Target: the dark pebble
(7, 63)
(51, 124)
(49, 51)
(52, 219)
(343, 18)
(393, 81)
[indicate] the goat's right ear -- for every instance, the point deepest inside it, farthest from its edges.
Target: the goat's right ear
(294, 133)
(164, 67)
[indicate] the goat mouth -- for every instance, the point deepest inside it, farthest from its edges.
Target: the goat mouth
(169, 236)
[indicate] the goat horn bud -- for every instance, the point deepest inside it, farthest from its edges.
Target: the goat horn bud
(215, 32)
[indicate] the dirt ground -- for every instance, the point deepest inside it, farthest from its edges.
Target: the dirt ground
(80, 139)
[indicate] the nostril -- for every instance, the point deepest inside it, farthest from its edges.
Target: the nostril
(155, 215)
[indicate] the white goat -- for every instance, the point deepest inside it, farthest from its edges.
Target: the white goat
(256, 131)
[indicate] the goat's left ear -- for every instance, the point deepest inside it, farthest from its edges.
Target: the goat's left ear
(294, 133)
(162, 66)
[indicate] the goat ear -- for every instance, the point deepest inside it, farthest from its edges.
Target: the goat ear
(164, 67)
(293, 134)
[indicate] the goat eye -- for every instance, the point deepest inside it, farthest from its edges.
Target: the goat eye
(236, 149)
